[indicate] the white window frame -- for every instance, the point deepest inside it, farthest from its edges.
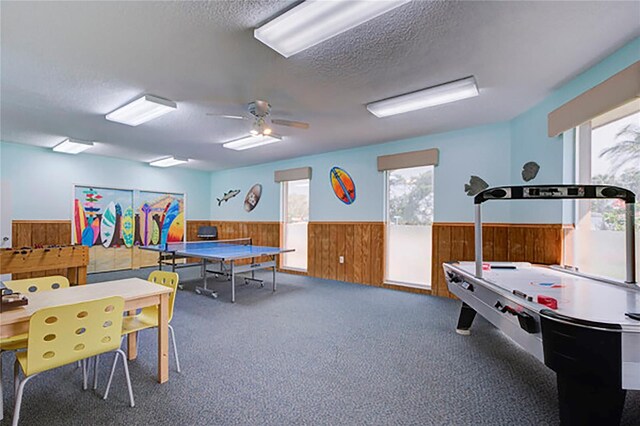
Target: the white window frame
(387, 280)
(283, 219)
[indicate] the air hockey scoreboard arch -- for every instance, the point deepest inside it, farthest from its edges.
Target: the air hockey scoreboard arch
(585, 328)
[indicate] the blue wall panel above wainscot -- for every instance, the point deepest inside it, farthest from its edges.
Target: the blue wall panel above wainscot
(41, 181)
(482, 151)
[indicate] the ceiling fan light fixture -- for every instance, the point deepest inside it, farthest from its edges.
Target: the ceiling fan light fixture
(267, 131)
(141, 110)
(315, 21)
(431, 96)
(251, 142)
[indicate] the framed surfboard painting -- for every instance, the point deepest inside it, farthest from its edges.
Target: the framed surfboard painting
(113, 222)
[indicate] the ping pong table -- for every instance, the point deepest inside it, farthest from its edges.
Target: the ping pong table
(226, 253)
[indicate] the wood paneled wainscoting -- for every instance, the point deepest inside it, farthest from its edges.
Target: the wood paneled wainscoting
(29, 233)
(361, 244)
(535, 243)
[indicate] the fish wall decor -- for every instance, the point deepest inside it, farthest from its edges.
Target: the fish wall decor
(475, 186)
(227, 196)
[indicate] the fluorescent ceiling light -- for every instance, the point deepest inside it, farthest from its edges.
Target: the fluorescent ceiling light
(315, 21)
(72, 146)
(168, 162)
(251, 142)
(437, 95)
(141, 110)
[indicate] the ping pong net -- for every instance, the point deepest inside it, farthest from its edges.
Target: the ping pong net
(204, 245)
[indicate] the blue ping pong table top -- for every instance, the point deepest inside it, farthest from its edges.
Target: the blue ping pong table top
(217, 250)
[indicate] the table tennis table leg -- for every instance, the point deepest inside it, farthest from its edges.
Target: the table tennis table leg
(205, 288)
(233, 283)
(274, 274)
(253, 271)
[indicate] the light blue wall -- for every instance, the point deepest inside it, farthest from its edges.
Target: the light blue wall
(41, 180)
(495, 152)
(529, 140)
(482, 151)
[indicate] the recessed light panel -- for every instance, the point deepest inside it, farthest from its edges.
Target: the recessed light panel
(315, 21)
(251, 142)
(141, 110)
(432, 96)
(72, 146)
(168, 162)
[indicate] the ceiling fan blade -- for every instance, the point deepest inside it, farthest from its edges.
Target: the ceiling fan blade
(234, 117)
(288, 123)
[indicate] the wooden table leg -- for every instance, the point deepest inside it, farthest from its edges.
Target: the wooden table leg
(163, 339)
(132, 342)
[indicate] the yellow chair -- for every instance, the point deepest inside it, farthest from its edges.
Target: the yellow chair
(148, 317)
(34, 285)
(26, 286)
(63, 335)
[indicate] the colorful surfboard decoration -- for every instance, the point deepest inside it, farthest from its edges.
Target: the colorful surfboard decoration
(155, 230)
(95, 227)
(108, 224)
(253, 197)
(88, 237)
(127, 227)
(145, 222)
(80, 221)
(169, 217)
(176, 229)
(343, 185)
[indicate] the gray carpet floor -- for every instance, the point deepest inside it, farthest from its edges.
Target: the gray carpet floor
(315, 352)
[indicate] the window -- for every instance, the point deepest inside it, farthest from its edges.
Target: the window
(409, 223)
(295, 217)
(608, 152)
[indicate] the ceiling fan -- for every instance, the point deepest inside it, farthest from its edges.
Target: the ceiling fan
(259, 113)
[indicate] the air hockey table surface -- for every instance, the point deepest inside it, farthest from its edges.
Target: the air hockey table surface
(577, 297)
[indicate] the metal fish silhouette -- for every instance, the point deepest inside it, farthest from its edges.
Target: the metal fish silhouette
(227, 196)
(530, 171)
(475, 186)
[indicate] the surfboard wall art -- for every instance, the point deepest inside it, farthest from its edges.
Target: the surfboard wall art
(108, 225)
(106, 219)
(343, 185)
(161, 217)
(128, 227)
(253, 197)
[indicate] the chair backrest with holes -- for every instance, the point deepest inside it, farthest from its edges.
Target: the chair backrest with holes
(64, 334)
(167, 279)
(34, 285)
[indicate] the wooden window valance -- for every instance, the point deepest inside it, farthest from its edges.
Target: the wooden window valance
(292, 174)
(617, 90)
(426, 157)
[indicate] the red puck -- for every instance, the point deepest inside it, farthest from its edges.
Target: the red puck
(547, 301)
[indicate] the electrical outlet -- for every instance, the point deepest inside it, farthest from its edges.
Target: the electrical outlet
(341, 259)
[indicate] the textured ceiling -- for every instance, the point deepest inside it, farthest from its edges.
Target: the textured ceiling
(64, 65)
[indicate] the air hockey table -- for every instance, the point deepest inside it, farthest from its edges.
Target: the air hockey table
(585, 328)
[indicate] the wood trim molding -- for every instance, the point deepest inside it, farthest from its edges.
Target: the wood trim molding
(506, 225)
(22, 221)
(347, 223)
